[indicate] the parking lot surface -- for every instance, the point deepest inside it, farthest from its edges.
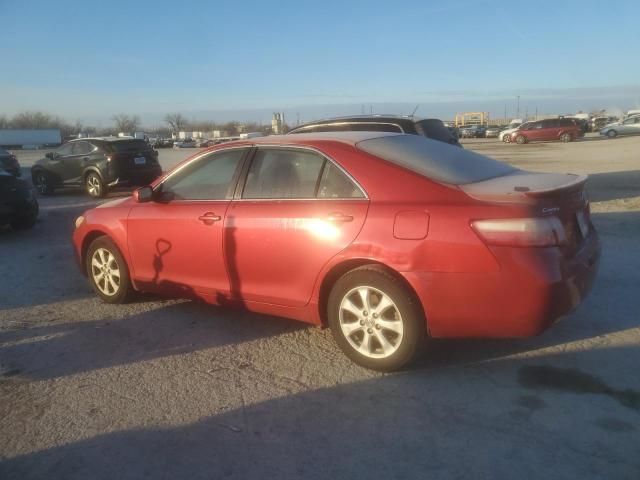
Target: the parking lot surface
(176, 389)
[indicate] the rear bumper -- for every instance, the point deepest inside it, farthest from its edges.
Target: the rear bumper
(531, 291)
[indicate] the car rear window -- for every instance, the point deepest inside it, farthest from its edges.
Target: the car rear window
(436, 160)
(127, 146)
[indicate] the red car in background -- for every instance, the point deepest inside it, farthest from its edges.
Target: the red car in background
(563, 129)
(383, 237)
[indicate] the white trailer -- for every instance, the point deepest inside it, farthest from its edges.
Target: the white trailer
(29, 138)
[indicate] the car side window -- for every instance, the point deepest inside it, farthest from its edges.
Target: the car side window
(64, 150)
(279, 173)
(335, 184)
(81, 148)
(208, 178)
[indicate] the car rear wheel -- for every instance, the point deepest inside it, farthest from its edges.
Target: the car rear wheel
(521, 139)
(374, 319)
(94, 185)
(565, 137)
(43, 183)
(612, 134)
(107, 271)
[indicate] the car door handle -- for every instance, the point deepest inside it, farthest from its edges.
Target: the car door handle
(86, 159)
(209, 218)
(339, 217)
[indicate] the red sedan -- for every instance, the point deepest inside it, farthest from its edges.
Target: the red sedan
(383, 237)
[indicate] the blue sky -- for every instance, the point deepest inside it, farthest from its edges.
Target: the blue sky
(89, 60)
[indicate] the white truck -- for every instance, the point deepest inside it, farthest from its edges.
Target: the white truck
(30, 137)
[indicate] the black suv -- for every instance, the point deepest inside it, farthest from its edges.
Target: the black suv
(430, 127)
(97, 164)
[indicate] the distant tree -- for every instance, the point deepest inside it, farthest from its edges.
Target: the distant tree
(4, 122)
(126, 123)
(33, 120)
(176, 121)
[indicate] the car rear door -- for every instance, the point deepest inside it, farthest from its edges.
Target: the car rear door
(176, 241)
(79, 158)
(296, 210)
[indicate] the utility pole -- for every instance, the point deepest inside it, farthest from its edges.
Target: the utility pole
(505, 113)
(518, 106)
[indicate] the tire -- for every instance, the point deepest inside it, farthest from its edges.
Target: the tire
(506, 138)
(109, 273)
(43, 182)
(94, 185)
(612, 134)
(361, 333)
(565, 137)
(521, 139)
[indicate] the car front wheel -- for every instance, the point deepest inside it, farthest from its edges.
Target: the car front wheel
(107, 271)
(42, 183)
(506, 139)
(375, 320)
(612, 134)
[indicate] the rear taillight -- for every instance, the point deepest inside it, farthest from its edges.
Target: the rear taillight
(522, 232)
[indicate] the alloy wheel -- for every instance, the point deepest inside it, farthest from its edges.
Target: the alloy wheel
(41, 183)
(105, 272)
(94, 187)
(371, 322)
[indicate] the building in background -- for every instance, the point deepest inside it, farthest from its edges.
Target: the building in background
(277, 123)
(466, 119)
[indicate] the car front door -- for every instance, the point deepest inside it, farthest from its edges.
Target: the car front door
(56, 163)
(297, 210)
(630, 126)
(76, 162)
(176, 241)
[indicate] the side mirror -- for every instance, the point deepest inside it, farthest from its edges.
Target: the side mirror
(143, 194)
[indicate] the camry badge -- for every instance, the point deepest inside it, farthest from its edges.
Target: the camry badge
(550, 210)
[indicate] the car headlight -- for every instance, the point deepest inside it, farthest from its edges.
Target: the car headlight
(79, 221)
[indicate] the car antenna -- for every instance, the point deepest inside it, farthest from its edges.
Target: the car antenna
(414, 111)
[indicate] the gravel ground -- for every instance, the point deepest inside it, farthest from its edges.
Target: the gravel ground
(176, 389)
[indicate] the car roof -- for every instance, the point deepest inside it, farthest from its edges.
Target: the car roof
(106, 139)
(350, 138)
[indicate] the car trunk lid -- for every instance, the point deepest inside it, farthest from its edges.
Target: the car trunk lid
(548, 194)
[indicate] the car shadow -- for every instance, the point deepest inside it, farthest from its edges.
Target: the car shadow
(502, 420)
(613, 185)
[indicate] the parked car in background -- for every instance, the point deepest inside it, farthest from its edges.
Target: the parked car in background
(186, 143)
(629, 126)
(505, 135)
(18, 204)
(597, 123)
(430, 127)
(360, 231)
(162, 143)
(473, 131)
(493, 131)
(97, 165)
(563, 129)
(204, 143)
(9, 163)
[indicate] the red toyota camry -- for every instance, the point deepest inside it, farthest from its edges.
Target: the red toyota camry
(383, 237)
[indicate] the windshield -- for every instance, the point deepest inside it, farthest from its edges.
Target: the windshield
(434, 128)
(127, 146)
(435, 160)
